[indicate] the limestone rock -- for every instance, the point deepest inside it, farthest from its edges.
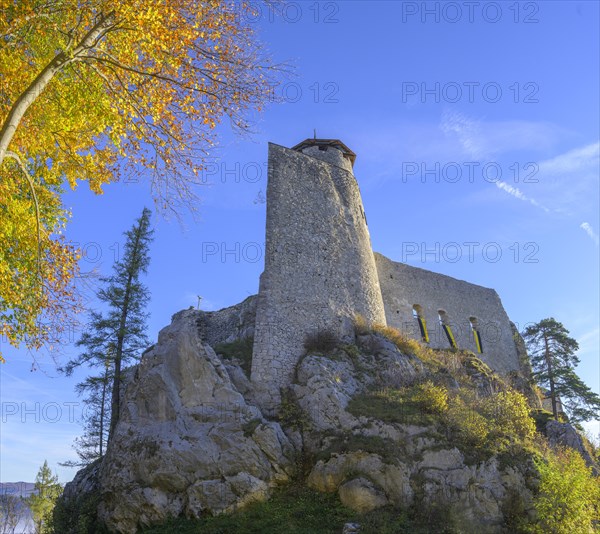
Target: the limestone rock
(361, 495)
(85, 481)
(324, 388)
(187, 440)
(565, 435)
(394, 480)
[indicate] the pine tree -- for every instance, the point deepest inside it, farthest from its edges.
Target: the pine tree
(113, 340)
(552, 354)
(41, 502)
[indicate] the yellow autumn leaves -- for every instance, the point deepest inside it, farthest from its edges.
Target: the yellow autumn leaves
(141, 91)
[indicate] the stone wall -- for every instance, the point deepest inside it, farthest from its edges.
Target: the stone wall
(228, 324)
(403, 286)
(319, 266)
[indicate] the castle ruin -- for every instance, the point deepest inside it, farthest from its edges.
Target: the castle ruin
(320, 272)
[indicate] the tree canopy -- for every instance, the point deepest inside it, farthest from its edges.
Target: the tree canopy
(553, 357)
(100, 90)
(41, 503)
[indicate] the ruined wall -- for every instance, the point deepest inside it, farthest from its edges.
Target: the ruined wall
(228, 324)
(403, 286)
(319, 266)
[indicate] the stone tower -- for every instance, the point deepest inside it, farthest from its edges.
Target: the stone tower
(319, 266)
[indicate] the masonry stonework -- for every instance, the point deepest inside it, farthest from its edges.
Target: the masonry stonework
(463, 304)
(228, 324)
(319, 265)
(320, 272)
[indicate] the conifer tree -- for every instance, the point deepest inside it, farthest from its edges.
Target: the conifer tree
(41, 502)
(113, 339)
(552, 354)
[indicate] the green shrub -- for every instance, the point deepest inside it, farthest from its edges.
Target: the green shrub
(321, 341)
(291, 415)
(432, 399)
(390, 405)
(568, 499)
(240, 350)
(77, 516)
(469, 427)
(508, 414)
(386, 448)
(541, 418)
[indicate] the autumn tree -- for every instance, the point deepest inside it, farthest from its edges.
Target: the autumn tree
(99, 90)
(41, 502)
(553, 358)
(568, 497)
(117, 337)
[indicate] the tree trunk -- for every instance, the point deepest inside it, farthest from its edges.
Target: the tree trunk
(116, 389)
(550, 377)
(28, 97)
(104, 386)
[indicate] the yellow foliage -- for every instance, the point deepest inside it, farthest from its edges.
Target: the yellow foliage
(508, 414)
(470, 426)
(568, 498)
(432, 398)
(99, 91)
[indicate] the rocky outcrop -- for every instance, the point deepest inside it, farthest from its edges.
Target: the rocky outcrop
(191, 440)
(187, 441)
(563, 434)
(399, 464)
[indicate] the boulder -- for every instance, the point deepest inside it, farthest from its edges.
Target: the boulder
(361, 495)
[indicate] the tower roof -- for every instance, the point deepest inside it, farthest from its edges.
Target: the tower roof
(324, 143)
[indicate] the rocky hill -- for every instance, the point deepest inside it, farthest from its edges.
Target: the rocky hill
(375, 419)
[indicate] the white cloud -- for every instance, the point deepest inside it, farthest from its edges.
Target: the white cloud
(575, 160)
(587, 228)
(482, 139)
(517, 193)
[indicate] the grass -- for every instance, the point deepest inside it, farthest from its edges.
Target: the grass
(240, 350)
(387, 449)
(291, 510)
(391, 406)
(294, 510)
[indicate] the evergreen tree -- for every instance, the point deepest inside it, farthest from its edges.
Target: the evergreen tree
(552, 354)
(41, 502)
(113, 339)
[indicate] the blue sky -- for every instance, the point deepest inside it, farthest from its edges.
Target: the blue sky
(476, 136)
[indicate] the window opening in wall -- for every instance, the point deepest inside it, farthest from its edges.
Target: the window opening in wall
(420, 317)
(476, 334)
(445, 324)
